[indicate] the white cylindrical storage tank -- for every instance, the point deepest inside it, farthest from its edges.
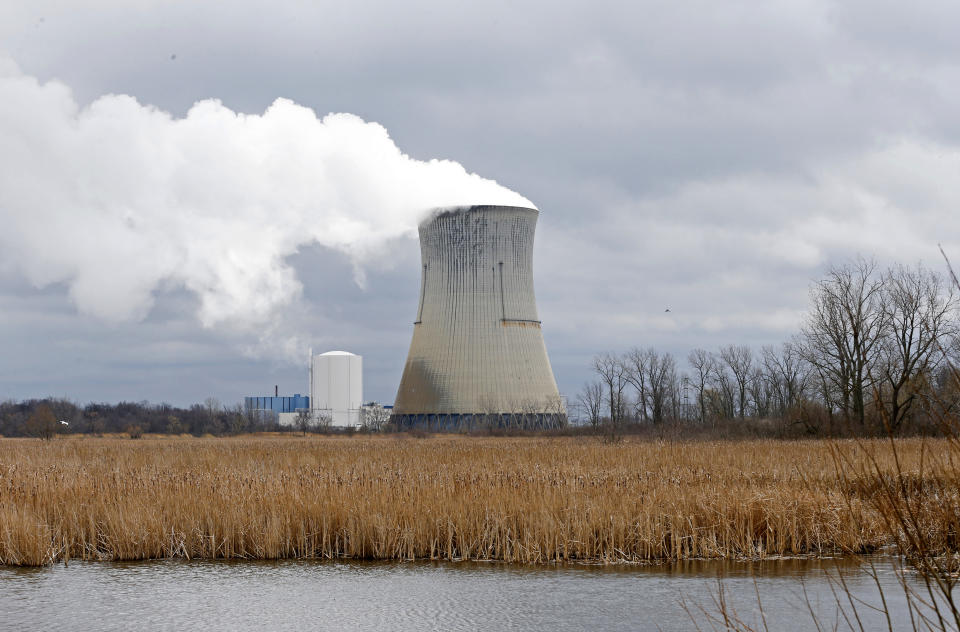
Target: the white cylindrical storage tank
(336, 387)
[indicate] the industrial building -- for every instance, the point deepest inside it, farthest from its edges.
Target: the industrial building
(282, 408)
(284, 404)
(336, 394)
(336, 388)
(477, 356)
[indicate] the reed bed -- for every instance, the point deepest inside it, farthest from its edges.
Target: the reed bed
(527, 500)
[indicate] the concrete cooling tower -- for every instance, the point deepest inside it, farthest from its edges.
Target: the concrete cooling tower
(477, 357)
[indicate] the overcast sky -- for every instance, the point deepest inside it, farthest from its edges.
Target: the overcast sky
(710, 158)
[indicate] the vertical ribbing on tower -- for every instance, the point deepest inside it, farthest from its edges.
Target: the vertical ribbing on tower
(477, 353)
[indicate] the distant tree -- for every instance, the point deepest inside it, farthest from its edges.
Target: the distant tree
(611, 372)
(703, 363)
(95, 423)
(787, 374)
(322, 420)
(718, 403)
(238, 419)
(723, 392)
(174, 426)
(842, 335)
(374, 417)
(662, 384)
(556, 410)
(42, 422)
(653, 376)
(255, 419)
(635, 371)
(739, 360)
(760, 392)
(919, 312)
(213, 405)
(491, 415)
(302, 421)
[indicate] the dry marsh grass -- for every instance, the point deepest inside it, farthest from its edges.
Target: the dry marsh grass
(529, 500)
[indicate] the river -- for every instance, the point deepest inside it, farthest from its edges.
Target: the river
(346, 595)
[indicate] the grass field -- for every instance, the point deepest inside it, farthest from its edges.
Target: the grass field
(530, 500)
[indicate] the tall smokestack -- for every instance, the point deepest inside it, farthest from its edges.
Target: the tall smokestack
(477, 356)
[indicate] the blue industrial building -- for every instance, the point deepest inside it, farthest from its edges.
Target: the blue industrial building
(289, 404)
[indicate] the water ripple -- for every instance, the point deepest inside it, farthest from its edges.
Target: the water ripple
(296, 595)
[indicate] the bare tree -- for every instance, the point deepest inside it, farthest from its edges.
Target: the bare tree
(723, 397)
(514, 415)
(213, 405)
(610, 370)
(635, 373)
(525, 413)
(493, 415)
(212, 408)
(679, 408)
(591, 401)
(554, 410)
(653, 376)
(662, 380)
(919, 312)
(374, 416)
(739, 359)
(238, 419)
(174, 425)
(703, 363)
(842, 333)
(788, 375)
(42, 422)
(302, 421)
(321, 419)
(255, 418)
(761, 391)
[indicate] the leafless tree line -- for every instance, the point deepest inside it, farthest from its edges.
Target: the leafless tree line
(874, 346)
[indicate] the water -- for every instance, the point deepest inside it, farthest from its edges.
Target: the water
(296, 595)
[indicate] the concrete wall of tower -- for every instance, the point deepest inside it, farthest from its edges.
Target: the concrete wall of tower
(477, 353)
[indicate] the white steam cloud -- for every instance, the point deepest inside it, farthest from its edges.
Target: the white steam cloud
(119, 199)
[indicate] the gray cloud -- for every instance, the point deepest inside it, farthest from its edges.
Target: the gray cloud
(710, 158)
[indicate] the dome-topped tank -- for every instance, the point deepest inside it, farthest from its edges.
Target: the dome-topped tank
(336, 388)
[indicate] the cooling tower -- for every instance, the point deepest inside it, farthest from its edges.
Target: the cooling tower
(477, 357)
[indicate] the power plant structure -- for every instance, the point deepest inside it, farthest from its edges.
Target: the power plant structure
(477, 357)
(335, 400)
(336, 388)
(282, 408)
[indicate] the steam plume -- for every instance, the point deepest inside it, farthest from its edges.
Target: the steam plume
(118, 199)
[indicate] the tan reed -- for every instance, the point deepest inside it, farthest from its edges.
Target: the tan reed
(527, 500)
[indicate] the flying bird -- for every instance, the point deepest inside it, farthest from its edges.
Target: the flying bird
(65, 423)
(666, 310)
